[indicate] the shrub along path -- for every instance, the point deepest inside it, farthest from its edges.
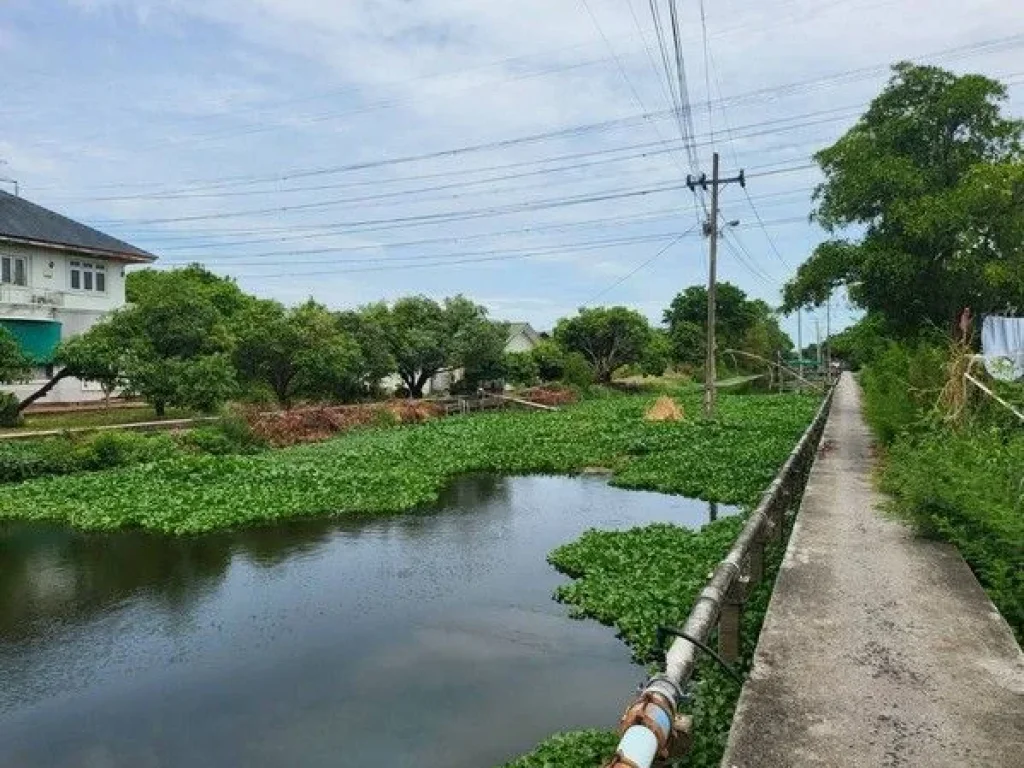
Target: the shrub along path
(389, 470)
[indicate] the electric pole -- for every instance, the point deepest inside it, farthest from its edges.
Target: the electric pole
(817, 341)
(800, 341)
(828, 336)
(711, 230)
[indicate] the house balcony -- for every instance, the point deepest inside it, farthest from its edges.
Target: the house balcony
(22, 301)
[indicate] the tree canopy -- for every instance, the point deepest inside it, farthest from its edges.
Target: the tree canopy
(176, 349)
(424, 336)
(740, 323)
(301, 351)
(608, 337)
(932, 177)
(223, 293)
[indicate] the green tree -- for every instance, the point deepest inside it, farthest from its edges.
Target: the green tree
(657, 354)
(740, 323)
(375, 356)
(147, 285)
(97, 355)
(480, 347)
(14, 366)
(14, 363)
(931, 175)
(167, 339)
(299, 352)
(424, 337)
(521, 368)
(608, 337)
(550, 360)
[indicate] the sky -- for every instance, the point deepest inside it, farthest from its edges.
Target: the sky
(526, 154)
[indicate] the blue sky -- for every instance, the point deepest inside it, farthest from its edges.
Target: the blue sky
(230, 132)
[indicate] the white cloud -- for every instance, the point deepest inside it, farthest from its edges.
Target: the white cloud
(135, 96)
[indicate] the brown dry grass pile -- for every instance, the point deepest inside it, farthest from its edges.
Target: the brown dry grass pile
(549, 394)
(313, 424)
(665, 409)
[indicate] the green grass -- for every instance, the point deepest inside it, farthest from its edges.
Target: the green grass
(967, 487)
(96, 418)
(382, 471)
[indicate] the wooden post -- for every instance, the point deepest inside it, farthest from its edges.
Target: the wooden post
(756, 560)
(729, 620)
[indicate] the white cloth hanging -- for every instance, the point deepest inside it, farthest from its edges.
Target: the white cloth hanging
(1002, 346)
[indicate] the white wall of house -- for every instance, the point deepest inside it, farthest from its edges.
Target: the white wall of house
(76, 290)
(520, 342)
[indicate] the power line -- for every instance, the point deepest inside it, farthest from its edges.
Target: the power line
(639, 267)
(446, 263)
(555, 247)
(603, 222)
(707, 71)
(842, 77)
(752, 130)
(746, 192)
(622, 71)
(379, 225)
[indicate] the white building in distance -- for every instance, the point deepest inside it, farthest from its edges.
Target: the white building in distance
(57, 278)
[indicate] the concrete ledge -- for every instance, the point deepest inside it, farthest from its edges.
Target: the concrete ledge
(879, 648)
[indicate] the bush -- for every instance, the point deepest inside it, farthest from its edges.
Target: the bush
(231, 435)
(550, 360)
(120, 449)
(967, 488)
(901, 388)
(577, 372)
(521, 369)
(9, 415)
(67, 454)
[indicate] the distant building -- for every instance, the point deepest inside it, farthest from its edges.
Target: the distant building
(57, 279)
(521, 338)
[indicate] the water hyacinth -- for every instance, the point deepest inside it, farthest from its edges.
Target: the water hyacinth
(396, 469)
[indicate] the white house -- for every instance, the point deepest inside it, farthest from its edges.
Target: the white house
(57, 278)
(521, 338)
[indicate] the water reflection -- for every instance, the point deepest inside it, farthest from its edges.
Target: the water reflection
(382, 641)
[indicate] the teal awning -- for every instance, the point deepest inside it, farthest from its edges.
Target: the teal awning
(38, 338)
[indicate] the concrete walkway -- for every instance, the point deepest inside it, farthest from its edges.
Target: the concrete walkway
(880, 648)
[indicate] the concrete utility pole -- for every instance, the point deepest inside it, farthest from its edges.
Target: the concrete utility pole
(711, 230)
(828, 336)
(800, 341)
(817, 341)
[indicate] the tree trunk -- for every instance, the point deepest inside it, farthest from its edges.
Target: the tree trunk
(44, 390)
(161, 408)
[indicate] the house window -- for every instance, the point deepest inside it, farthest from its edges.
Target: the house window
(14, 270)
(87, 276)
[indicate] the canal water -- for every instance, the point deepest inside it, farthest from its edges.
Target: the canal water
(427, 640)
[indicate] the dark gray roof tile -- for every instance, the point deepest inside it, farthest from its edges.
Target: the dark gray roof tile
(23, 220)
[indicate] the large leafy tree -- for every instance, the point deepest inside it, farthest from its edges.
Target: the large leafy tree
(299, 352)
(176, 351)
(424, 336)
(931, 179)
(375, 356)
(146, 285)
(608, 337)
(740, 323)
